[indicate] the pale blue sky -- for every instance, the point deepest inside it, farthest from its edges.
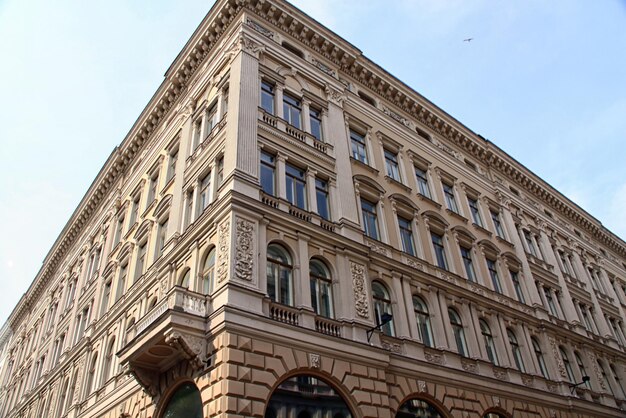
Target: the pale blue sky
(545, 81)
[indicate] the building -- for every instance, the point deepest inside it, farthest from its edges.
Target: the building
(290, 231)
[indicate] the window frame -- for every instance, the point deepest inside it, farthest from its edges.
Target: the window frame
(358, 146)
(371, 228)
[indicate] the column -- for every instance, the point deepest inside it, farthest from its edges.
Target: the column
(281, 178)
(335, 208)
(302, 290)
(384, 236)
(449, 252)
(469, 330)
(262, 271)
(455, 255)
(400, 322)
(419, 247)
(306, 118)
(440, 321)
(430, 252)
(278, 105)
(310, 189)
(408, 304)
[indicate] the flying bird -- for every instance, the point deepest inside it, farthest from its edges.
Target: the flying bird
(468, 40)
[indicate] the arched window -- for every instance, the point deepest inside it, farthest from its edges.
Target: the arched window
(185, 402)
(515, 351)
(581, 368)
(72, 390)
(418, 408)
(493, 415)
(422, 317)
(489, 344)
(305, 396)
(186, 278)
(459, 333)
(567, 364)
(91, 376)
(539, 356)
(152, 303)
(63, 398)
(208, 272)
(321, 289)
(107, 367)
(382, 305)
(279, 275)
(617, 380)
(129, 333)
(605, 378)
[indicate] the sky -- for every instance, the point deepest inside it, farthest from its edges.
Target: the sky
(545, 81)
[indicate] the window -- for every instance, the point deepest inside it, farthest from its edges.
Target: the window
(418, 408)
(220, 171)
(391, 163)
(382, 305)
(466, 255)
(141, 260)
(495, 217)
(515, 350)
(71, 290)
(162, 237)
(530, 243)
(267, 97)
(208, 272)
(581, 368)
(617, 380)
(121, 282)
(359, 151)
(211, 120)
(315, 117)
(422, 182)
(185, 279)
(205, 196)
(585, 314)
(422, 318)
(171, 165)
(268, 170)
(196, 137)
(406, 235)
(517, 286)
(291, 110)
(550, 301)
(134, 209)
(279, 275)
(564, 265)
(458, 332)
(321, 195)
(448, 192)
(473, 204)
(184, 402)
(153, 188)
(493, 273)
(539, 356)
(489, 344)
(605, 378)
(568, 366)
(370, 222)
(440, 253)
(106, 294)
(91, 374)
(107, 367)
(296, 186)
(119, 226)
(321, 289)
(94, 260)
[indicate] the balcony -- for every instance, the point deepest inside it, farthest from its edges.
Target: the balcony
(174, 330)
(301, 137)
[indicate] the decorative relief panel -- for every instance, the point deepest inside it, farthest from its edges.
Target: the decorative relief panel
(244, 249)
(334, 96)
(596, 369)
(358, 286)
(260, 29)
(469, 365)
(391, 346)
(557, 356)
(314, 360)
(223, 242)
(433, 357)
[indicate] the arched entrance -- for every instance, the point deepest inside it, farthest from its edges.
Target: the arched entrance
(306, 396)
(419, 408)
(185, 402)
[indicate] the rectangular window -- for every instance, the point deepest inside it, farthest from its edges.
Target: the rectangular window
(473, 204)
(422, 182)
(517, 286)
(189, 208)
(448, 192)
(106, 294)
(550, 301)
(406, 235)
(134, 210)
(370, 222)
(210, 121)
(493, 273)
(153, 188)
(196, 137)
(141, 260)
(220, 171)
(121, 282)
(321, 195)
(296, 186)
(359, 151)
(268, 172)
(119, 226)
(440, 253)
(495, 217)
(267, 97)
(466, 254)
(162, 237)
(291, 110)
(315, 117)
(391, 163)
(205, 197)
(564, 266)
(171, 165)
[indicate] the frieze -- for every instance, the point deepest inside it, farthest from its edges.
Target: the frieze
(358, 286)
(552, 387)
(378, 249)
(528, 380)
(415, 265)
(391, 346)
(432, 357)
(262, 30)
(222, 254)
(476, 289)
(244, 249)
(395, 116)
(325, 68)
(469, 365)
(557, 356)
(500, 374)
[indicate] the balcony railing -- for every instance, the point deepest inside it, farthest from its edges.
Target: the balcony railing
(293, 132)
(284, 314)
(327, 326)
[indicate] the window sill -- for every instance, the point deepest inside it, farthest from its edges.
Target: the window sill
(482, 229)
(398, 183)
(427, 199)
(456, 215)
(504, 241)
(364, 165)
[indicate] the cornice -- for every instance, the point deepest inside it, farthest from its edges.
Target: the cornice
(353, 63)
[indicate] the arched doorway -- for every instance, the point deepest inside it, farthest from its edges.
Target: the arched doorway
(306, 396)
(419, 408)
(185, 402)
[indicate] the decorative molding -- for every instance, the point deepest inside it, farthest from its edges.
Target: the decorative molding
(223, 250)
(557, 356)
(433, 357)
(397, 117)
(358, 286)
(391, 346)
(333, 95)
(315, 361)
(469, 365)
(422, 387)
(262, 30)
(244, 249)
(325, 68)
(500, 373)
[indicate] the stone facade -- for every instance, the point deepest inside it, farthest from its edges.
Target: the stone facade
(284, 208)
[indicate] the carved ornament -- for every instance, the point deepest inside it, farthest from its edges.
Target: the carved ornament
(222, 251)
(244, 249)
(358, 286)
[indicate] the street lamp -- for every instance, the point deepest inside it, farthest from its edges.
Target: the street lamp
(575, 385)
(384, 319)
